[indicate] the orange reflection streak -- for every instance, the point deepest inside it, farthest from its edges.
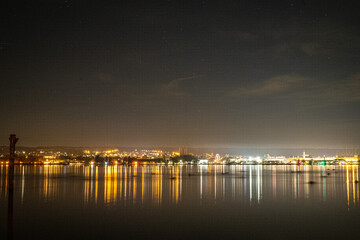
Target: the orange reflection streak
(121, 182)
(96, 183)
(142, 185)
(175, 185)
(107, 184)
(172, 192)
(155, 186)
(130, 182)
(6, 178)
(180, 182)
(171, 195)
(306, 179)
(347, 184)
(86, 185)
(215, 183)
(115, 178)
(46, 182)
(134, 184)
(177, 181)
(161, 177)
(353, 187)
(1, 180)
(91, 181)
(125, 182)
(357, 179)
(294, 182)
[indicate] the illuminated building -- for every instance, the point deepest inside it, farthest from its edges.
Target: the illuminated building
(217, 158)
(183, 151)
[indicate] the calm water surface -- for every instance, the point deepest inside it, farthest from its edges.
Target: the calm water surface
(182, 202)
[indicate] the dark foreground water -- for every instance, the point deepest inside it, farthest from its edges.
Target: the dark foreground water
(182, 202)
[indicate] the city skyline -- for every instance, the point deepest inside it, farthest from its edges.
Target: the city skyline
(254, 152)
(241, 74)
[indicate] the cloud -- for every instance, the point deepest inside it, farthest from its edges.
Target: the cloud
(326, 39)
(106, 78)
(338, 92)
(310, 49)
(305, 92)
(271, 86)
(353, 87)
(173, 88)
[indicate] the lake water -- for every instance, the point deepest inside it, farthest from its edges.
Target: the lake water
(182, 202)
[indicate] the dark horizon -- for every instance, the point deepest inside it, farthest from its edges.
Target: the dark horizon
(260, 74)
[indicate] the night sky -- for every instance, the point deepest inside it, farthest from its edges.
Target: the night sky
(181, 73)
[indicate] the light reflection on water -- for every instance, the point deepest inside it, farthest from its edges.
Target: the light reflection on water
(167, 185)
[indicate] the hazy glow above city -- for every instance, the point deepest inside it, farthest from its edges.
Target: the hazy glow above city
(283, 74)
